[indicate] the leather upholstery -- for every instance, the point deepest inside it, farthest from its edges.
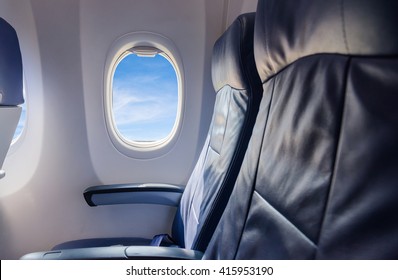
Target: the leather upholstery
(320, 176)
(297, 29)
(239, 93)
(11, 80)
(232, 58)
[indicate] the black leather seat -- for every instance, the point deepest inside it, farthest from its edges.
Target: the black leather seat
(11, 84)
(320, 176)
(239, 92)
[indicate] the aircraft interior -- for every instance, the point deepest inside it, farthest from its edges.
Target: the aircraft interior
(198, 129)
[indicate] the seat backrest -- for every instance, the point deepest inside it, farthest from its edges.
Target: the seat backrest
(11, 93)
(239, 92)
(320, 176)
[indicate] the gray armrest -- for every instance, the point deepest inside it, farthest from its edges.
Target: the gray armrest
(117, 252)
(164, 194)
(169, 253)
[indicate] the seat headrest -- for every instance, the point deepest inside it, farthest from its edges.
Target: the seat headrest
(231, 52)
(11, 77)
(291, 29)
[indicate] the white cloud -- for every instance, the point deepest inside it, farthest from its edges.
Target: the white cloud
(130, 107)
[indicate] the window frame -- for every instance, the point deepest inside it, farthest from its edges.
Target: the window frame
(117, 52)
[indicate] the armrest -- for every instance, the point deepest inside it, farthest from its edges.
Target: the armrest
(164, 194)
(167, 253)
(118, 252)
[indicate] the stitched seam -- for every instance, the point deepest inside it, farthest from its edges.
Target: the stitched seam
(226, 123)
(228, 85)
(337, 148)
(213, 150)
(285, 218)
(195, 215)
(255, 175)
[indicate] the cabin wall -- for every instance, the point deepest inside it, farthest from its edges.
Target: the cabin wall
(194, 44)
(65, 147)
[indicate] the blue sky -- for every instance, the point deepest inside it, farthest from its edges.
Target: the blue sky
(145, 97)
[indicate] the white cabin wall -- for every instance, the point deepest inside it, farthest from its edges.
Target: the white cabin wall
(49, 207)
(65, 147)
(102, 22)
(193, 43)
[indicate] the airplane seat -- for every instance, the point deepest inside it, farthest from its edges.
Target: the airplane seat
(239, 92)
(11, 84)
(320, 176)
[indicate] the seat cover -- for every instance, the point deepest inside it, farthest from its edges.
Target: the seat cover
(320, 176)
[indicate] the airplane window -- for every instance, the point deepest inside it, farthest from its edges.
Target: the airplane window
(145, 97)
(22, 119)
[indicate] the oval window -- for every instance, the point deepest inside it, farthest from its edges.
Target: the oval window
(144, 97)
